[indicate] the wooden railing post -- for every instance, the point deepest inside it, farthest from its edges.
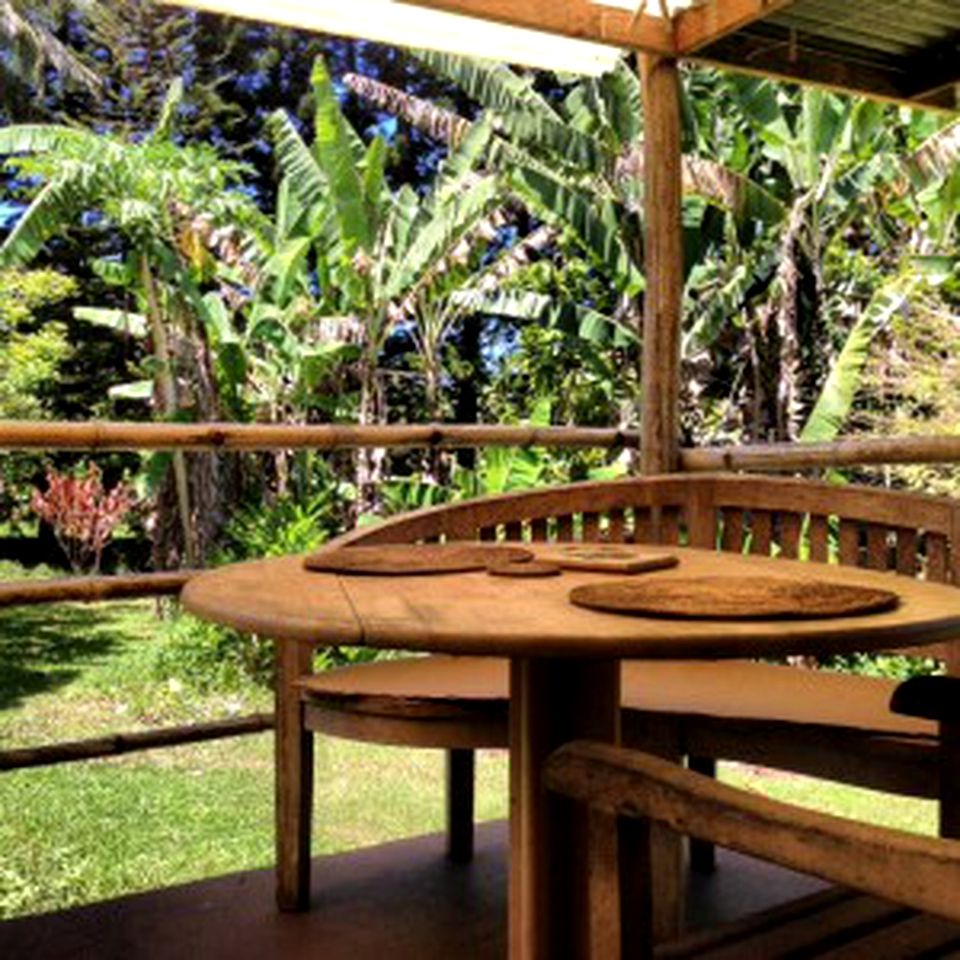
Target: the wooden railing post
(663, 265)
(660, 405)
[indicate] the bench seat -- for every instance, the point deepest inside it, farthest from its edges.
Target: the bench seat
(756, 712)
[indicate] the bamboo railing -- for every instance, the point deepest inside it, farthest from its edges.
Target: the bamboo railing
(113, 436)
(116, 744)
(102, 436)
(31, 435)
(810, 456)
(98, 589)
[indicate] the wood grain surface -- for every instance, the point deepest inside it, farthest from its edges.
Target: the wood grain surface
(413, 559)
(473, 613)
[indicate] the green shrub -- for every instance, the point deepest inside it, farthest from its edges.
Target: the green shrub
(891, 666)
(209, 657)
(286, 526)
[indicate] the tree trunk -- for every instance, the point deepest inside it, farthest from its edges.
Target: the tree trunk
(371, 462)
(438, 467)
(213, 478)
(165, 389)
(467, 404)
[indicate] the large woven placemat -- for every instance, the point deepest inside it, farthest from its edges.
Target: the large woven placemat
(413, 559)
(733, 598)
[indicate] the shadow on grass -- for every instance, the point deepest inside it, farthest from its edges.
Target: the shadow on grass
(45, 647)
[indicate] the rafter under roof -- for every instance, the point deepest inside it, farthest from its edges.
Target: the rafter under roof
(890, 49)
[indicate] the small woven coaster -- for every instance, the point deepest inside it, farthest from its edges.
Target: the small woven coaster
(532, 568)
(608, 558)
(413, 559)
(733, 598)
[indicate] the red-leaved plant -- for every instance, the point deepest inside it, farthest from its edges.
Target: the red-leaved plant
(82, 514)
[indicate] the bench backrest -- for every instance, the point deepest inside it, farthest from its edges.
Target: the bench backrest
(909, 533)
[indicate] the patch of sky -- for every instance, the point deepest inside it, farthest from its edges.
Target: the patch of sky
(10, 213)
(91, 218)
(507, 237)
(499, 341)
(386, 127)
(252, 82)
(137, 57)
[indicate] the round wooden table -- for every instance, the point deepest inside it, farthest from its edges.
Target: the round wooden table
(564, 681)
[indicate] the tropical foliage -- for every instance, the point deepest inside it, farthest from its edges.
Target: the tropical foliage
(437, 238)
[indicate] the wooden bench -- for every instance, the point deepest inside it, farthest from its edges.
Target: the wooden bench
(816, 722)
(908, 906)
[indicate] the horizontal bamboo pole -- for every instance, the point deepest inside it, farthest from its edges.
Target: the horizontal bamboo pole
(104, 435)
(22, 593)
(807, 456)
(113, 435)
(121, 743)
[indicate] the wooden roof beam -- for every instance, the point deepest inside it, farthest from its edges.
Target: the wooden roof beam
(579, 19)
(934, 75)
(779, 59)
(700, 26)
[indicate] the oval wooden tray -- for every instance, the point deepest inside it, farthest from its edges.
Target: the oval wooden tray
(733, 598)
(413, 559)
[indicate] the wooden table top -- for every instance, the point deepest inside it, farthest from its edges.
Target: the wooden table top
(474, 613)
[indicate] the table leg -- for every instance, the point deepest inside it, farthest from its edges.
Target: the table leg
(294, 779)
(551, 703)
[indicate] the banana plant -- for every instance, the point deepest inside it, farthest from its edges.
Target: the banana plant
(838, 168)
(183, 227)
(367, 255)
(29, 46)
(578, 165)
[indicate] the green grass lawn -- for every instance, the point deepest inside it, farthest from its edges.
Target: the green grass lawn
(88, 831)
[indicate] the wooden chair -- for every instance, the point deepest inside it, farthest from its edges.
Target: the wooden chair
(917, 878)
(824, 724)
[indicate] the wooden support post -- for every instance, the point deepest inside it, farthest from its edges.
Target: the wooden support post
(663, 265)
(294, 779)
(659, 432)
(461, 772)
(551, 703)
(703, 853)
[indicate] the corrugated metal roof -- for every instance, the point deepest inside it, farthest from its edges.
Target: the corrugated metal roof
(903, 49)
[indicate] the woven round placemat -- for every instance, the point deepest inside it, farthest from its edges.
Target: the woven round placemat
(733, 598)
(532, 568)
(413, 559)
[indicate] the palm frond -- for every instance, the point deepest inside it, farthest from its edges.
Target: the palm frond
(521, 112)
(51, 138)
(295, 160)
(434, 239)
(60, 201)
(745, 199)
(936, 158)
(594, 223)
(436, 122)
(839, 391)
(335, 150)
(167, 120)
